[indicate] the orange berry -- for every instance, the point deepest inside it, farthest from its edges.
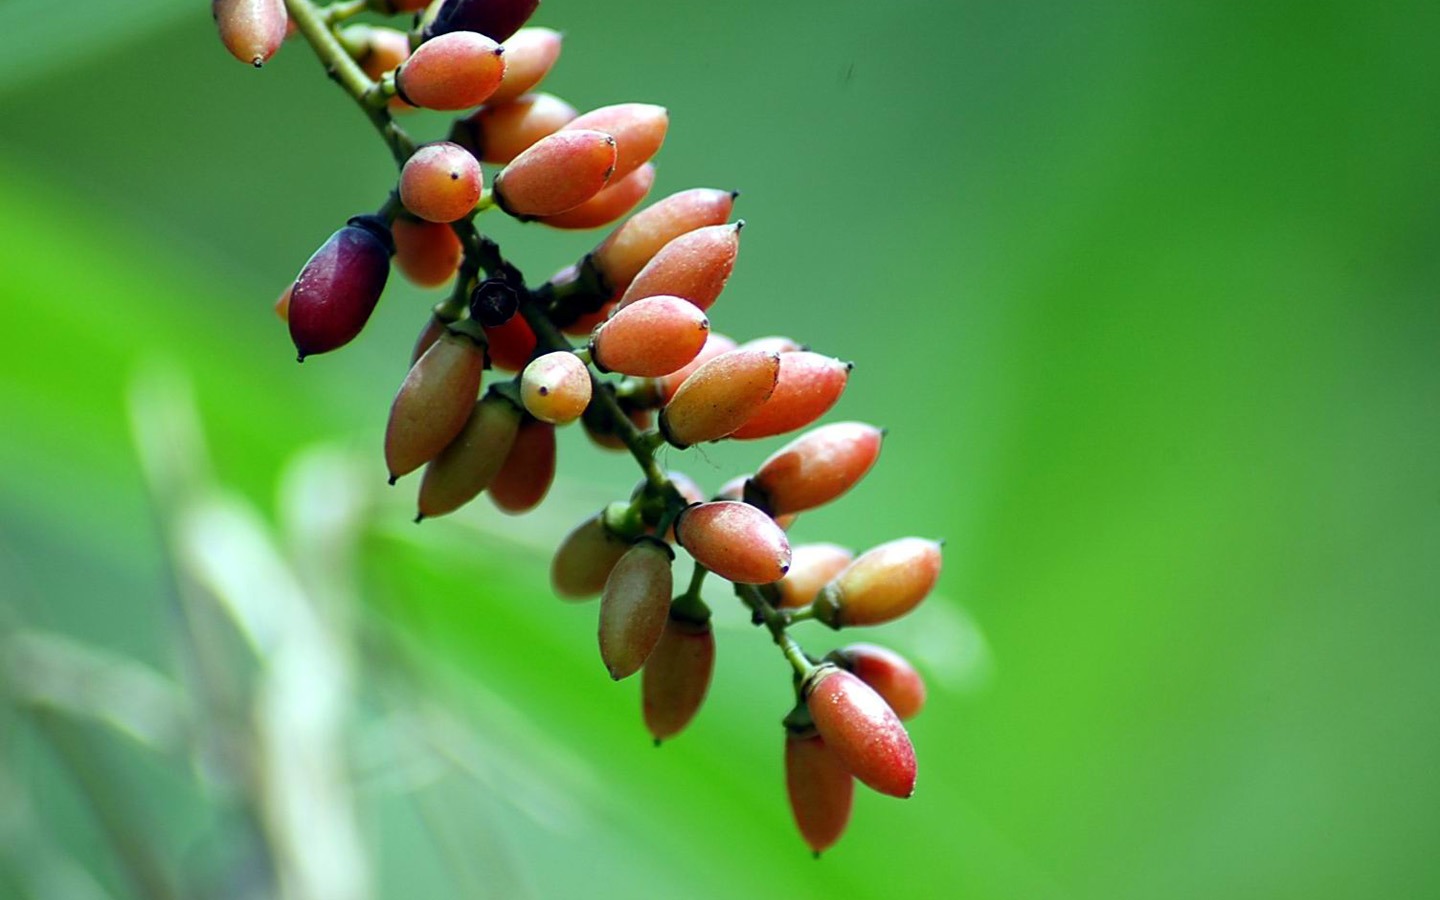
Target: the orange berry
(555, 388)
(379, 50)
(862, 730)
(820, 788)
(440, 182)
(815, 468)
(511, 344)
(472, 461)
(734, 489)
(622, 255)
(557, 173)
(500, 132)
(882, 584)
(336, 291)
(635, 606)
(453, 71)
(618, 198)
(282, 303)
(735, 541)
(719, 396)
(252, 30)
(584, 559)
(638, 129)
(653, 337)
(695, 266)
(676, 677)
(428, 253)
(808, 386)
(529, 55)
(433, 403)
(811, 566)
(529, 469)
(889, 673)
(715, 345)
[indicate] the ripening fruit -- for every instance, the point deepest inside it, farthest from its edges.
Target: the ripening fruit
(635, 606)
(892, 677)
(882, 584)
(622, 255)
(529, 469)
(820, 788)
(618, 198)
(557, 173)
(454, 71)
(529, 56)
(735, 541)
(378, 50)
(862, 730)
(774, 342)
(252, 30)
(676, 677)
(433, 403)
(809, 384)
(715, 345)
(811, 566)
(497, 19)
(695, 266)
(428, 335)
(428, 253)
(511, 344)
(471, 462)
(497, 133)
(815, 468)
(584, 559)
(719, 396)
(638, 129)
(555, 388)
(650, 338)
(440, 182)
(338, 287)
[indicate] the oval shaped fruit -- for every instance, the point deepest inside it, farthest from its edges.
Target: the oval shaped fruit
(889, 673)
(511, 344)
(638, 128)
(649, 338)
(622, 255)
(735, 541)
(555, 388)
(882, 584)
(377, 50)
(497, 19)
(808, 385)
(434, 327)
(696, 266)
(556, 174)
(864, 733)
(471, 462)
(584, 560)
(815, 468)
(529, 55)
(719, 396)
(734, 489)
(337, 289)
(676, 676)
(454, 71)
(252, 30)
(524, 480)
(440, 182)
(635, 606)
(821, 790)
(618, 198)
(497, 133)
(715, 345)
(433, 403)
(811, 566)
(428, 253)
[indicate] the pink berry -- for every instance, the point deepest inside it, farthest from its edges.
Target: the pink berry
(653, 337)
(862, 730)
(735, 541)
(440, 182)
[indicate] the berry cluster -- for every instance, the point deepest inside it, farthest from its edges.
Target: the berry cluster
(639, 303)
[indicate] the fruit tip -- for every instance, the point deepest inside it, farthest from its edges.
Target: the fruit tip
(656, 743)
(734, 195)
(419, 517)
(258, 61)
(739, 224)
(299, 357)
(815, 855)
(392, 480)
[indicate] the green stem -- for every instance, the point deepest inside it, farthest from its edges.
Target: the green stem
(776, 621)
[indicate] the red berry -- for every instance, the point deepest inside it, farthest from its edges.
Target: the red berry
(471, 462)
(635, 606)
(862, 730)
(440, 182)
(676, 677)
(252, 30)
(820, 788)
(892, 677)
(618, 198)
(338, 288)
(555, 388)
(638, 129)
(883, 584)
(525, 478)
(695, 266)
(584, 560)
(556, 174)
(453, 71)
(428, 253)
(808, 386)
(735, 541)
(622, 255)
(529, 56)
(511, 344)
(653, 337)
(815, 468)
(433, 404)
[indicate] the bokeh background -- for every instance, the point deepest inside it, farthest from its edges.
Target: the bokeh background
(1146, 294)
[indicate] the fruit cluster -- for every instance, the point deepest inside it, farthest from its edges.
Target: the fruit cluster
(639, 303)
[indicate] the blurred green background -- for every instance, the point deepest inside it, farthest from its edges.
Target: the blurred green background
(1146, 294)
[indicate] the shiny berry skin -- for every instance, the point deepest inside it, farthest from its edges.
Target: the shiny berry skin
(676, 677)
(455, 71)
(433, 404)
(715, 345)
(584, 560)
(529, 55)
(622, 255)
(862, 730)
(815, 468)
(695, 266)
(820, 789)
(337, 289)
(889, 673)
(719, 396)
(809, 384)
(427, 253)
(496, 19)
(440, 182)
(619, 197)
(252, 30)
(555, 388)
(556, 173)
(471, 462)
(497, 133)
(811, 566)
(525, 479)
(735, 541)
(634, 606)
(882, 584)
(638, 128)
(649, 338)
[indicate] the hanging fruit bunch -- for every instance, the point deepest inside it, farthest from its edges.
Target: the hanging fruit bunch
(620, 341)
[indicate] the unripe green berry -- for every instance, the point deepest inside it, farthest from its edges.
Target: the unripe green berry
(555, 388)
